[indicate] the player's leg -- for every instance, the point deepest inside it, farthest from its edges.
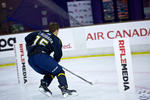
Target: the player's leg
(62, 78)
(46, 63)
(45, 82)
(50, 65)
(47, 79)
(63, 84)
(39, 64)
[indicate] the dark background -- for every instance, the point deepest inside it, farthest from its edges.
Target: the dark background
(25, 15)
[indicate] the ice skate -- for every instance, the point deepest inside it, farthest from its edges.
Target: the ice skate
(66, 92)
(44, 89)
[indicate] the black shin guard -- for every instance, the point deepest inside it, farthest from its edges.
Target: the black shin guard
(48, 78)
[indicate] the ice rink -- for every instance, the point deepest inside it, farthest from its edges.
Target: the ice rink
(99, 70)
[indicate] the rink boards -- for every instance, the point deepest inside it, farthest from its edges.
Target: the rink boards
(88, 40)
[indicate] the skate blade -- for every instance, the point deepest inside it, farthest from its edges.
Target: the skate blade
(65, 95)
(72, 95)
(75, 94)
(45, 93)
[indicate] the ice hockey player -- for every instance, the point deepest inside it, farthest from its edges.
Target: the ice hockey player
(39, 46)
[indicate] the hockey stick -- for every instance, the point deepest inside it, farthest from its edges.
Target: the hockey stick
(78, 76)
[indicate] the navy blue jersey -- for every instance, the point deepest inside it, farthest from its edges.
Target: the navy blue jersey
(44, 42)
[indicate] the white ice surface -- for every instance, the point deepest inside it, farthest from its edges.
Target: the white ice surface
(99, 70)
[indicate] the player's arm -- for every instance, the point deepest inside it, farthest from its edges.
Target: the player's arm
(57, 49)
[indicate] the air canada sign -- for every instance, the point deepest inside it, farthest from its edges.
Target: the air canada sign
(113, 34)
(103, 35)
